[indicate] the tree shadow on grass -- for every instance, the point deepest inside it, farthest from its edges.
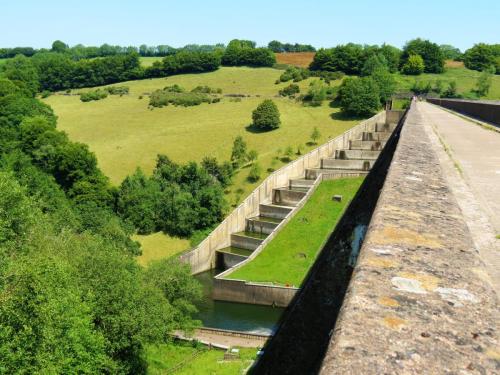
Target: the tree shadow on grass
(255, 130)
(345, 116)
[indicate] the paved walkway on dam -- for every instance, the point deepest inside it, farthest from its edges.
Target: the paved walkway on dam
(472, 168)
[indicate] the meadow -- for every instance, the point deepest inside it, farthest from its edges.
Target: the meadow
(163, 358)
(288, 256)
(125, 134)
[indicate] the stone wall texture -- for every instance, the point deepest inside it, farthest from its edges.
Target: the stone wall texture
(482, 109)
(419, 301)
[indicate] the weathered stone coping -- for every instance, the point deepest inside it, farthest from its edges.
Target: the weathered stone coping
(419, 301)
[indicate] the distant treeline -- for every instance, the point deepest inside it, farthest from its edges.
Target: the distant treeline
(87, 52)
(57, 70)
(278, 47)
(416, 57)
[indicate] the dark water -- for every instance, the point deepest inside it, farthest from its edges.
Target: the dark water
(234, 316)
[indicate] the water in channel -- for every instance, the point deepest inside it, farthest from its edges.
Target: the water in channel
(234, 316)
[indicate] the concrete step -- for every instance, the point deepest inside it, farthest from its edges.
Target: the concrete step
(375, 136)
(231, 256)
(366, 145)
(385, 127)
(274, 211)
(262, 224)
(301, 183)
(331, 163)
(235, 251)
(301, 189)
(244, 240)
(356, 155)
(313, 173)
(287, 197)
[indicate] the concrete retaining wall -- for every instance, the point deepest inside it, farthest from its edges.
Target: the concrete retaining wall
(202, 258)
(246, 292)
(482, 109)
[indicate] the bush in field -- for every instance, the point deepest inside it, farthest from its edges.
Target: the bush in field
(93, 95)
(255, 172)
(414, 65)
(290, 90)
(239, 152)
(176, 95)
(266, 116)
(117, 90)
(451, 91)
(360, 96)
(295, 74)
(315, 135)
(484, 82)
(207, 90)
(317, 93)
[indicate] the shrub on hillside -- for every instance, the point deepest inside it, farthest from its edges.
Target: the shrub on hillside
(117, 90)
(359, 96)
(93, 95)
(207, 90)
(290, 90)
(266, 116)
(295, 74)
(482, 56)
(176, 95)
(255, 172)
(385, 82)
(414, 65)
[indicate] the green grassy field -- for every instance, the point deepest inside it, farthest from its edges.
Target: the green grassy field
(289, 255)
(162, 358)
(125, 134)
(465, 78)
(158, 246)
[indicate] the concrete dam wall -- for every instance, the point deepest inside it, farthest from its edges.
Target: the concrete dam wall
(418, 300)
(486, 110)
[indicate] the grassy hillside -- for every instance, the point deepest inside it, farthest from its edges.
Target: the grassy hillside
(288, 257)
(465, 78)
(125, 134)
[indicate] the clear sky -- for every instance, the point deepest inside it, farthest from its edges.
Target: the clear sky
(322, 23)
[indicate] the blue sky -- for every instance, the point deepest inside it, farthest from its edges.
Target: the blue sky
(322, 23)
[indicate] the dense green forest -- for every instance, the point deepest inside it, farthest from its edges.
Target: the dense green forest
(73, 298)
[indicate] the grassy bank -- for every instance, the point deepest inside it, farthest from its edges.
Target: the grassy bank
(288, 257)
(465, 78)
(158, 246)
(162, 358)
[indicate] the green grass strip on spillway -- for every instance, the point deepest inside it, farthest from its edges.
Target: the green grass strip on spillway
(287, 258)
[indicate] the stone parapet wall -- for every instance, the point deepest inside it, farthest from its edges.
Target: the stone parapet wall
(419, 301)
(482, 109)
